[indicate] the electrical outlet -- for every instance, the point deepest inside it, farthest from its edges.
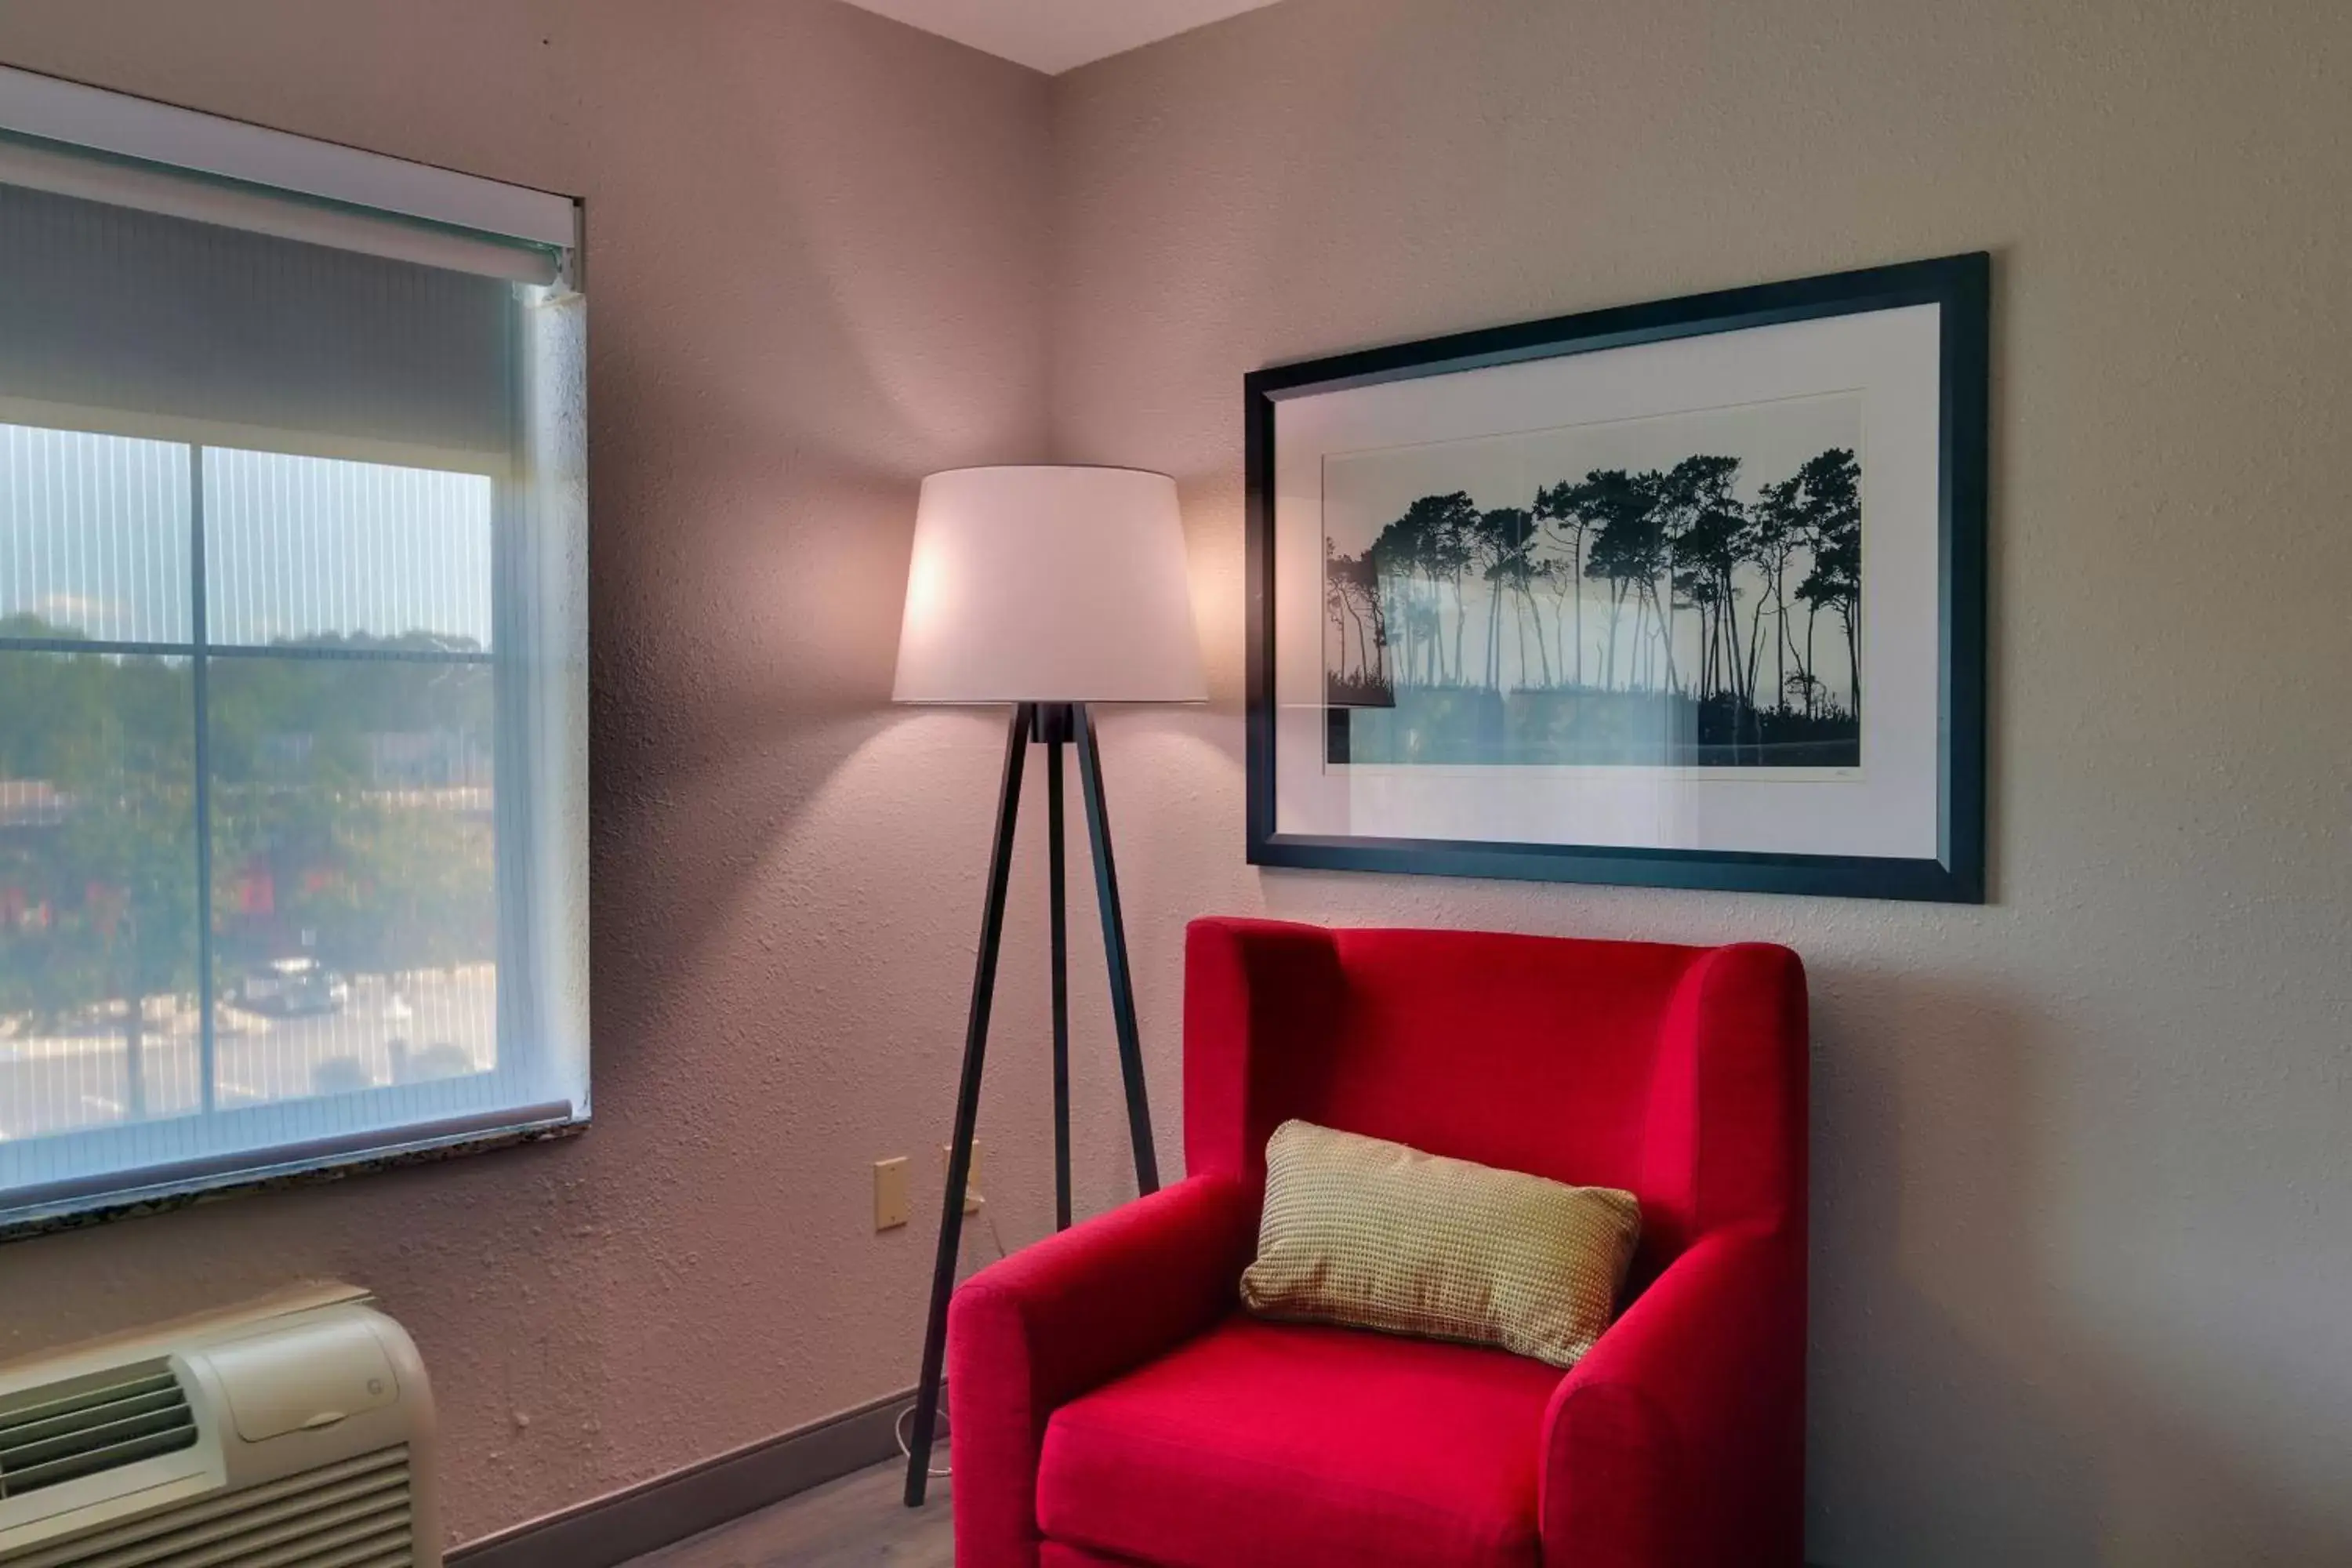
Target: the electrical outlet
(971, 1180)
(890, 1208)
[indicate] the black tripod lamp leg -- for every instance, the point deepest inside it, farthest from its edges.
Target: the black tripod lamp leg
(1122, 983)
(975, 1047)
(1057, 910)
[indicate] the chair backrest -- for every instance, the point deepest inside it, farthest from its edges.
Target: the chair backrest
(1677, 1073)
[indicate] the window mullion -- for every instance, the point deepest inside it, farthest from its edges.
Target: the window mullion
(206, 1073)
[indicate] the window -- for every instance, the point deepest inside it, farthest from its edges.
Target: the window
(292, 654)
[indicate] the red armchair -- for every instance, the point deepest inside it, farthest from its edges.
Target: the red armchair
(1114, 1407)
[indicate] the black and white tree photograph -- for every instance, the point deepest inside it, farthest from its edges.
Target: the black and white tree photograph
(1678, 591)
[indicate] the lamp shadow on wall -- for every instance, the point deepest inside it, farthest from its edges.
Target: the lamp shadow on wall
(733, 673)
(872, 325)
(1940, 1377)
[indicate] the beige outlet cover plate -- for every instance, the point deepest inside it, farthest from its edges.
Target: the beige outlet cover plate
(890, 1205)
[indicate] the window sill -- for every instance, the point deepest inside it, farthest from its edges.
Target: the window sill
(168, 1190)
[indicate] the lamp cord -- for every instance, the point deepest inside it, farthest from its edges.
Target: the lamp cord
(898, 1427)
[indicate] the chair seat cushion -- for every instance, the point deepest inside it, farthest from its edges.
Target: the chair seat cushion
(1290, 1445)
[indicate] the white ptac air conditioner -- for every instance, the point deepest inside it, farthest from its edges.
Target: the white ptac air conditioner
(295, 1434)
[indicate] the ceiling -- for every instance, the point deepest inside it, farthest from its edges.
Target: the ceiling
(1053, 36)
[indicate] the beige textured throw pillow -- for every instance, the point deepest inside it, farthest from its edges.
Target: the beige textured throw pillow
(1373, 1235)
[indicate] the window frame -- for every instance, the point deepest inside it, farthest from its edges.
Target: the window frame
(389, 206)
(405, 1128)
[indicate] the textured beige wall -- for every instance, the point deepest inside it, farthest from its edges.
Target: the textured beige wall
(2082, 1239)
(2083, 1243)
(816, 272)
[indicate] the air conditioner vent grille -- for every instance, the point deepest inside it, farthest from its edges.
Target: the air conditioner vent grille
(353, 1514)
(142, 1413)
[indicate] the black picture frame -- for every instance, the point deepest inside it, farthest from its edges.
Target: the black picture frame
(1961, 286)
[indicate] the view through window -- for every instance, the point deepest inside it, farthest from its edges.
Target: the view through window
(249, 806)
(293, 658)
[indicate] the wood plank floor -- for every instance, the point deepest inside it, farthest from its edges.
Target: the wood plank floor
(857, 1521)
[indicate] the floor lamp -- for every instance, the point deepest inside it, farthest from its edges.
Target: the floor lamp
(1049, 588)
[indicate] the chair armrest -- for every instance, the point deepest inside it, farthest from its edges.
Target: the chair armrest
(1679, 1438)
(1055, 1321)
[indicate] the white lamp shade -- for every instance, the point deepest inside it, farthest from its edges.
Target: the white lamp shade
(1048, 584)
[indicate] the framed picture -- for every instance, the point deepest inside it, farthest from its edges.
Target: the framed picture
(1688, 594)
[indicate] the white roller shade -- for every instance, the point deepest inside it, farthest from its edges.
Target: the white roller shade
(50, 166)
(142, 324)
(273, 162)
